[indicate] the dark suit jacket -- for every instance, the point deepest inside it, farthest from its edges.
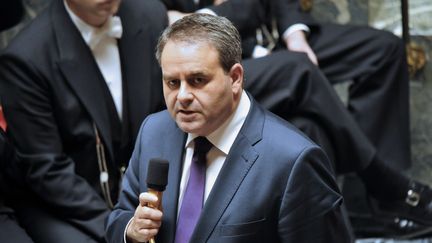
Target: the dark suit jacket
(53, 93)
(275, 186)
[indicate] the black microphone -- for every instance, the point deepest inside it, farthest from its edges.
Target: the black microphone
(157, 179)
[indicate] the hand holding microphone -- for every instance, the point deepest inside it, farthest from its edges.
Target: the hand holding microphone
(148, 215)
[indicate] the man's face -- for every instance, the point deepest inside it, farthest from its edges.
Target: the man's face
(199, 95)
(93, 10)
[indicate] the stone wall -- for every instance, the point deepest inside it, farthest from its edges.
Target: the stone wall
(385, 14)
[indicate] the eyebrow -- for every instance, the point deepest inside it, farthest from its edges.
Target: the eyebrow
(191, 74)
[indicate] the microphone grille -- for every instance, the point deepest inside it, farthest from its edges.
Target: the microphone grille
(157, 174)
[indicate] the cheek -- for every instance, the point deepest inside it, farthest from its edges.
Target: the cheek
(217, 100)
(225, 93)
(169, 97)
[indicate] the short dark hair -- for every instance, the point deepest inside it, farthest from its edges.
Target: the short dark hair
(214, 30)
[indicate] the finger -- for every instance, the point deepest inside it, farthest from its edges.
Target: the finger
(149, 213)
(148, 223)
(147, 234)
(141, 234)
(146, 198)
(144, 212)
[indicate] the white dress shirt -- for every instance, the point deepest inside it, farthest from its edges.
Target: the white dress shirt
(105, 51)
(222, 140)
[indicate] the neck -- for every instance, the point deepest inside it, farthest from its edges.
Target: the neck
(95, 22)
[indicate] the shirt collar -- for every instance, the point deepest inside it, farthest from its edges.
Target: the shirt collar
(223, 138)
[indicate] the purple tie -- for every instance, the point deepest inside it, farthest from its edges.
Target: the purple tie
(193, 198)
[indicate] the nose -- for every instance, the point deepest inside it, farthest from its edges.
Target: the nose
(184, 95)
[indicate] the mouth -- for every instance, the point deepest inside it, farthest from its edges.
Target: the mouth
(185, 112)
(186, 115)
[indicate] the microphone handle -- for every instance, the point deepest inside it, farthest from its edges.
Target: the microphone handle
(158, 194)
(158, 205)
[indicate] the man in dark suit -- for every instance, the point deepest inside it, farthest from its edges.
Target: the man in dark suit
(264, 180)
(376, 144)
(76, 84)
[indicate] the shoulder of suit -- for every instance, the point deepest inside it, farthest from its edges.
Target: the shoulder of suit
(159, 121)
(158, 127)
(38, 33)
(286, 133)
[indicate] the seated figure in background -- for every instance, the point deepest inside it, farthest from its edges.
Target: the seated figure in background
(76, 84)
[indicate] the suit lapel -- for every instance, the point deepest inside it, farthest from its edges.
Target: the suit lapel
(174, 154)
(81, 72)
(137, 60)
(240, 159)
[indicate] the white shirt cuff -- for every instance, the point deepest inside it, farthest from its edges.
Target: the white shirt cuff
(260, 51)
(206, 11)
(293, 28)
(124, 234)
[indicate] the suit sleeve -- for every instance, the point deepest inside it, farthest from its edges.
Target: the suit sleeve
(50, 172)
(129, 196)
(311, 208)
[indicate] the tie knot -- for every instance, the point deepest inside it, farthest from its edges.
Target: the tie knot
(202, 145)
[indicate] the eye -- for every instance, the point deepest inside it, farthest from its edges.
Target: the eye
(173, 83)
(198, 81)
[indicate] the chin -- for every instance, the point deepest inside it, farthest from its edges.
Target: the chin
(189, 128)
(110, 7)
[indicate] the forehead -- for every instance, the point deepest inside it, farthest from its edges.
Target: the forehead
(188, 56)
(187, 49)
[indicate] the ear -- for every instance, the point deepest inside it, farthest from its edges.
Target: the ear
(236, 74)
